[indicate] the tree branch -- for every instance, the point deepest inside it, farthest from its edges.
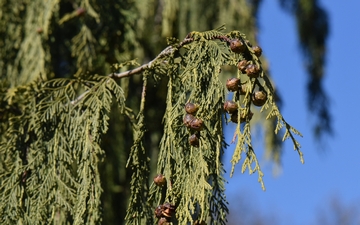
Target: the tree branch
(166, 52)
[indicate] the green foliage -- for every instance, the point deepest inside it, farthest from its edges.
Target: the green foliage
(196, 79)
(139, 211)
(51, 152)
(194, 76)
(72, 145)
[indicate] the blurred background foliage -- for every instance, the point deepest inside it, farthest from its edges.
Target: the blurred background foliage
(63, 38)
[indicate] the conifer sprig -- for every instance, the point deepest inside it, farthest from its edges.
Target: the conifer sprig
(54, 152)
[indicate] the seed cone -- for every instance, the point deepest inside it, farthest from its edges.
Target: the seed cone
(187, 120)
(160, 180)
(230, 106)
(233, 84)
(237, 46)
(253, 71)
(191, 108)
(257, 50)
(259, 98)
(196, 124)
(194, 140)
(242, 65)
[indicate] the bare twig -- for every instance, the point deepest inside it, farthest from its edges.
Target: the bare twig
(143, 94)
(167, 51)
(73, 102)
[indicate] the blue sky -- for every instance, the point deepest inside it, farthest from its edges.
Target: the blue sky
(300, 191)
